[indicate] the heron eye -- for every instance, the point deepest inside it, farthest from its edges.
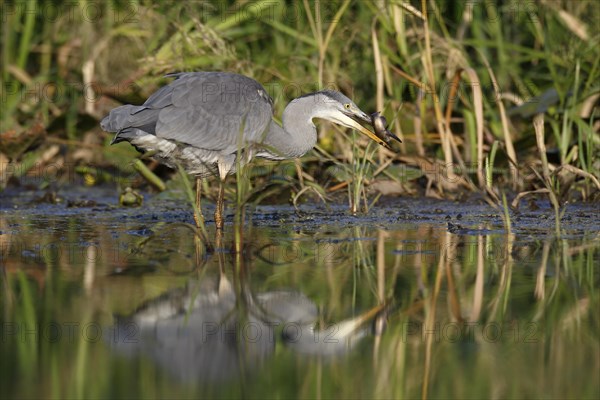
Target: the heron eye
(347, 105)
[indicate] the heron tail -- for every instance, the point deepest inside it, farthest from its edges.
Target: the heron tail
(130, 121)
(118, 119)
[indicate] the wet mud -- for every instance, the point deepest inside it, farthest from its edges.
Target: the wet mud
(472, 217)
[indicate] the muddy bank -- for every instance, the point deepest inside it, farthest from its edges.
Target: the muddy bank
(471, 217)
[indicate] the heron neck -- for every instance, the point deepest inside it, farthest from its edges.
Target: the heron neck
(297, 135)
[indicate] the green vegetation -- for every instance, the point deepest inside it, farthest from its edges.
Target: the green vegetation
(498, 99)
(447, 76)
(471, 316)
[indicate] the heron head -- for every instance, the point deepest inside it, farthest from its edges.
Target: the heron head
(339, 109)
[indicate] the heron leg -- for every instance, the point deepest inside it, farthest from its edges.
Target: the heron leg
(198, 217)
(219, 208)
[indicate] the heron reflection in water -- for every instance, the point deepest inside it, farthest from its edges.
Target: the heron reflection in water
(203, 120)
(205, 331)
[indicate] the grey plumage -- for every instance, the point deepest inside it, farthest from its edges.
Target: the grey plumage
(196, 120)
(202, 119)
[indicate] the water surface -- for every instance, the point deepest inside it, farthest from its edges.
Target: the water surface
(418, 298)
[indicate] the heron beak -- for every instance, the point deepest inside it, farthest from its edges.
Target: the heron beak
(351, 119)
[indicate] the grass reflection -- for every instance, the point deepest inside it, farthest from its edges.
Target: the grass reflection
(433, 313)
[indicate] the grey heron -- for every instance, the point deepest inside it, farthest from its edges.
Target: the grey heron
(203, 120)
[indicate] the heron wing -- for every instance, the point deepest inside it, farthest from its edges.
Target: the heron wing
(209, 110)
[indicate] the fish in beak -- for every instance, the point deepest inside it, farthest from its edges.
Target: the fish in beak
(352, 118)
(380, 125)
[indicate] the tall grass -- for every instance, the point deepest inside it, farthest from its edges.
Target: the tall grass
(440, 71)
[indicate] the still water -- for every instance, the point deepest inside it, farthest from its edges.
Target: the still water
(413, 300)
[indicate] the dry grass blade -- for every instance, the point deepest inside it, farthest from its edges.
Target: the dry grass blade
(478, 293)
(338, 186)
(538, 125)
(378, 75)
(430, 313)
(507, 222)
(579, 172)
(589, 105)
(453, 297)
(305, 189)
(311, 22)
(576, 314)
(88, 74)
(409, 78)
(378, 68)
(478, 105)
(452, 96)
(510, 148)
(315, 23)
(574, 24)
(478, 112)
(334, 23)
(515, 202)
(20, 74)
(512, 97)
(200, 227)
(412, 10)
(416, 119)
(427, 61)
(418, 125)
(540, 282)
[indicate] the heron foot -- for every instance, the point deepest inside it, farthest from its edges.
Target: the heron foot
(198, 216)
(199, 220)
(219, 208)
(219, 220)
